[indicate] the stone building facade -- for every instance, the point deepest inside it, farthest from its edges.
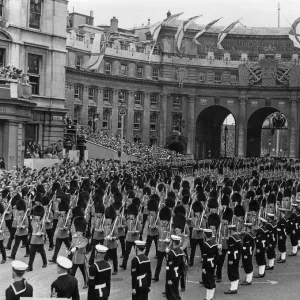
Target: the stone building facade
(183, 98)
(33, 39)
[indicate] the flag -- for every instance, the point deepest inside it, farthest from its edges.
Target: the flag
(181, 30)
(204, 30)
(224, 32)
(294, 35)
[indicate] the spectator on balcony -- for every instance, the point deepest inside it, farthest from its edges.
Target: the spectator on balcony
(59, 149)
(2, 163)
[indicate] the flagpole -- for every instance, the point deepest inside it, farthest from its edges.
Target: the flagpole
(278, 14)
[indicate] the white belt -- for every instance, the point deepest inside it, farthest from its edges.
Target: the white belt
(139, 278)
(211, 261)
(175, 270)
(100, 287)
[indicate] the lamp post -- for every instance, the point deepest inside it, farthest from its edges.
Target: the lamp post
(270, 144)
(122, 113)
(225, 139)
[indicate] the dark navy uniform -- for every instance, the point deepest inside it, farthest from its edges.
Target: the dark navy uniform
(141, 276)
(281, 234)
(99, 280)
(247, 255)
(65, 286)
(18, 289)
(210, 256)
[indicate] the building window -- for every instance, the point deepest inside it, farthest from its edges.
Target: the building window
(139, 72)
(153, 99)
(138, 99)
(153, 122)
(217, 77)
(137, 121)
(105, 120)
(76, 92)
(202, 77)
(153, 142)
(35, 14)
(107, 68)
(155, 73)
(91, 93)
(233, 78)
(79, 37)
(34, 72)
(123, 70)
(1, 8)
(2, 57)
(119, 122)
(78, 62)
(137, 140)
(106, 95)
(176, 122)
(77, 113)
(176, 102)
(121, 96)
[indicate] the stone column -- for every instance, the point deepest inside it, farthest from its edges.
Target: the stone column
(100, 109)
(10, 148)
(85, 108)
(241, 127)
(130, 115)
(114, 112)
(191, 126)
(293, 128)
(146, 119)
(163, 119)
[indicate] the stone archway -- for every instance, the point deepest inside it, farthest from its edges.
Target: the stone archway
(254, 130)
(177, 142)
(209, 126)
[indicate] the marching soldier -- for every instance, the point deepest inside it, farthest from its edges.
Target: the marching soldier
(2, 218)
(99, 276)
(65, 286)
(20, 287)
(140, 273)
(77, 250)
(38, 235)
(47, 204)
(281, 233)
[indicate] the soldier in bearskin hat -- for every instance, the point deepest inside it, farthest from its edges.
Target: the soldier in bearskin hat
(48, 220)
(2, 249)
(77, 250)
(281, 233)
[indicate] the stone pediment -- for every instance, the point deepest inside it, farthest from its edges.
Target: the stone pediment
(5, 36)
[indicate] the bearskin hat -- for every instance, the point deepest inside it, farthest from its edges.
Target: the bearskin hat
(82, 203)
(197, 207)
(185, 184)
(117, 205)
(146, 191)
(56, 186)
(228, 214)
(213, 220)
(267, 189)
(38, 211)
(213, 193)
(114, 189)
(289, 183)
(170, 202)
(186, 199)
(199, 189)
(118, 196)
(161, 187)
(21, 205)
(155, 197)
(179, 221)
(236, 198)
(236, 187)
(130, 194)
(136, 201)
(176, 185)
(74, 184)
(140, 184)
(201, 197)
(165, 214)
(132, 209)
(250, 195)
(254, 182)
(254, 205)
(298, 188)
(179, 209)
(2, 209)
(177, 178)
(40, 189)
(110, 213)
(38, 197)
(271, 199)
(185, 192)
(77, 212)
(25, 191)
(171, 194)
(239, 211)
(152, 182)
(294, 192)
(45, 201)
(80, 224)
(152, 205)
(84, 195)
(229, 183)
(225, 200)
(287, 193)
(97, 198)
(99, 208)
(4, 193)
(213, 203)
(63, 206)
(15, 200)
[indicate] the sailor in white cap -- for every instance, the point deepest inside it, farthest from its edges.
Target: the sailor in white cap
(20, 287)
(99, 276)
(65, 286)
(174, 268)
(140, 272)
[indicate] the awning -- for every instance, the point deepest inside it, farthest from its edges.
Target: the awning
(92, 103)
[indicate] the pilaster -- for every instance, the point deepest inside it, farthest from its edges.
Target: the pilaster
(146, 119)
(163, 119)
(130, 115)
(10, 149)
(293, 128)
(114, 112)
(191, 125)
(241, 151)
(85, 107)
(100, 109)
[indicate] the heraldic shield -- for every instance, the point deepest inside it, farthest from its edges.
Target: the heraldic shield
(269, 71)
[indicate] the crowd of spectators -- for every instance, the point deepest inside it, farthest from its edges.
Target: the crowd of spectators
(34, 150)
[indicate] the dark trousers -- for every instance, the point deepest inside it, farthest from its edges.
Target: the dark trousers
(37, 248)
(144, 223)
(92, 246)
(50, 237)
(172, 291)
(58, 244)
(194, 244)
(11, 237)
(81, 268)
(112, 254)
(140, 296)
(220, 263)
(8, 224)
(2, 250)
(122, 243)
(54, 225)
(149, 240)
(282, 245)
(18, 239)
(129, 245)
(183, 276)
(160, 258)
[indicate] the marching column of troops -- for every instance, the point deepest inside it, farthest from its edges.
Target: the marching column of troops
(242, 209)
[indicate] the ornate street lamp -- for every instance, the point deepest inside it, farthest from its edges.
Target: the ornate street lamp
(225, 139)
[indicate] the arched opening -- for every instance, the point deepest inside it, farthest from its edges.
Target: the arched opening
(176, 146)
(215, 133)
(264, 137)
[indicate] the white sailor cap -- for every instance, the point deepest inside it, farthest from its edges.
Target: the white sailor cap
(19, 265)
(263, 220)
(140, 244)
(101, 249)
(64, 262)
(175, 237)
(232, 227)
(207, 230)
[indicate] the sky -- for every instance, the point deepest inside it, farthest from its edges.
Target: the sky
(130, 13)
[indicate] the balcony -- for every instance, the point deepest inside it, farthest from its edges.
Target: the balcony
(12, 89)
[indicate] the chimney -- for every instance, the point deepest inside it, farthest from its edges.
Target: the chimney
(168, 14)
(148, 22)
(92, 13)
(114, 24)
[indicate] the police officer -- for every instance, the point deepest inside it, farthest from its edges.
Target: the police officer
(65, 286)
(99, 276)
(20, 287)
(140, 273)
